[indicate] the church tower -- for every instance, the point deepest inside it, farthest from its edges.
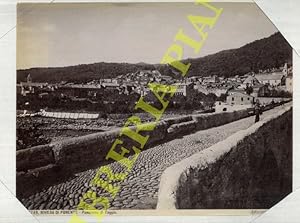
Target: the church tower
(29, 79)
(285, 70)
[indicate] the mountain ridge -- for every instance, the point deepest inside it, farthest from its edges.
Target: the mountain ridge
(269, 52)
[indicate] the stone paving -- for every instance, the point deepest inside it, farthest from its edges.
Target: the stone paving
(140, 189)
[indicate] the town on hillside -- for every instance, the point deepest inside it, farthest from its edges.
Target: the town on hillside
(113, 95)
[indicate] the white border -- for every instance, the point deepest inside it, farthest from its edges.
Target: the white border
(284, 14)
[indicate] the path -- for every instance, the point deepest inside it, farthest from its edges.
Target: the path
(140, 189)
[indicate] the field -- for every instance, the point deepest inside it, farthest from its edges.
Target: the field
(33, 131)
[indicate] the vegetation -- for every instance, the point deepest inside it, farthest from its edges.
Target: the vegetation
(249, 89)
(29, 134)
(280, 94)
(194, 101)
(262, 54)
(113, 103)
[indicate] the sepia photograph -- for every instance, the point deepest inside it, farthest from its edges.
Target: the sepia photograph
(152, 106)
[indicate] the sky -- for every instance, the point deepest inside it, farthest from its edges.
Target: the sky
(55, 35)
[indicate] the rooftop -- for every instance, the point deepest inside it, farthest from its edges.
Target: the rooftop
(270, 76)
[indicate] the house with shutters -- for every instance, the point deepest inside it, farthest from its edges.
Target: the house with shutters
(239, 98)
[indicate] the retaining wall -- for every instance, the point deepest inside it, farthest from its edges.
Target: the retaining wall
(250, 169)
(267, 100)
(69, 115)
(63, 115)
(42, 166)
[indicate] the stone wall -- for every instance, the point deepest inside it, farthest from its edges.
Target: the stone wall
(250, 169)
(69, 115)
(267, 100)
(42, 166)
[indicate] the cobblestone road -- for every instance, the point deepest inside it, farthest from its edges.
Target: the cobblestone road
(139, 190)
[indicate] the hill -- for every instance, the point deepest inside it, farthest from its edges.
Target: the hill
(265, 53)
(81, 73)
(262, 54)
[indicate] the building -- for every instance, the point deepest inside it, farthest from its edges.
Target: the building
(108, 80)
(236, 100)
(194, 79)
(165, 78)
(285, 69)
(80, 90)
(219, 91)
(272, 79)
(239, 98)
(261, 90)
(250, 81)
(210, 79)
(221, 106)
(201, 88)
(183, 89)
(289, 83)
(110, 85)
(29, 87)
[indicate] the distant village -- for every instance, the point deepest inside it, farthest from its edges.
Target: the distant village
(231, 93)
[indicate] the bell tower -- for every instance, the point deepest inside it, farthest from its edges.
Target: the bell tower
(29, 79)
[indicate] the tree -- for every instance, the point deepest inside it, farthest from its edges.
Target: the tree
(210, 100)
(249, 89)
(223, 97)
